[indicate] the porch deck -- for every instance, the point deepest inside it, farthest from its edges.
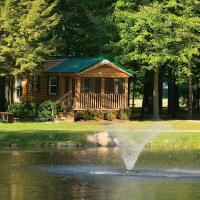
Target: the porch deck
(93, 101)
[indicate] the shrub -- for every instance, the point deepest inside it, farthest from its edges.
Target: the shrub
(123, 114)
(33, 111)
(24, 110)
(45, 111)
(30, 110)
(79, 115)
(99, 114)
(89, 115)
(16, 109)
(109, 115)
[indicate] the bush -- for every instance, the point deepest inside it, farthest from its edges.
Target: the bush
(16, 109)
(123, 114)
(45, 111)
(109, 115)
(88, 115)
(30, 110)
(99, 114)
(79, 115)
(24, 110)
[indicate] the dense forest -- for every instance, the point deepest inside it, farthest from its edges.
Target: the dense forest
(158, 40)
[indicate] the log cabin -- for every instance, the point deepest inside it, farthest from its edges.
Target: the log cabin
(79, 83)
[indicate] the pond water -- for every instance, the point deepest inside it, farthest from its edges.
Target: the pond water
(98, 173)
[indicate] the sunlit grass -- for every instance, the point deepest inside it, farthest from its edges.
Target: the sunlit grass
(36, 133)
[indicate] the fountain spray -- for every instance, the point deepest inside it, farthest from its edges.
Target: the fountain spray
(132, 142)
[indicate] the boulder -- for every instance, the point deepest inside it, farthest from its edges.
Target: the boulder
(72, 145)
(66, 144)
(102, 139)
(102, 133)
(105, 141)
(92, 139)
(62, 144)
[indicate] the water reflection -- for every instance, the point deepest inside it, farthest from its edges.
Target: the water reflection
(18, 180)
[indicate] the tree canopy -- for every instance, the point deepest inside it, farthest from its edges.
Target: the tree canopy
(161, 36)
(26, 34)
(159, 33)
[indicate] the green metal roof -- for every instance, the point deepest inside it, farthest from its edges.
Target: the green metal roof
(80, 64)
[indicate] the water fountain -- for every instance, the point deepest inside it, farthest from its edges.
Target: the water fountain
(132, 142)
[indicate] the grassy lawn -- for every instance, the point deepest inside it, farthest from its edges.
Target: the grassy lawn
(38, 133)
(168, 124)
(181, 140)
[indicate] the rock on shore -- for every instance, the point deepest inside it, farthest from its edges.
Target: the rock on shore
(102, 139)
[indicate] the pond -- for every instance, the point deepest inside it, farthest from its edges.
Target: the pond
(98, 173)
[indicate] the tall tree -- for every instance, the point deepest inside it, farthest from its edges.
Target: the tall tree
(145, 37)
(85, 27)
(26, 34)
(155, 33)
(186, 25)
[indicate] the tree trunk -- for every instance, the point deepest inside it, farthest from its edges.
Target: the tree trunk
(173, 95)
(190, 92)
(156, 95)
(129, 96)
(147, 103)
(196, 97)
(134, 88)
(11, 90)
(160, 93)
(2, 94)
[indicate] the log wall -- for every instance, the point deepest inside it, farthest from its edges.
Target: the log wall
(79, 100)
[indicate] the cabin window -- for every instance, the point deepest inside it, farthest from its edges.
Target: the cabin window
(96, 85)
(67, 85)
(109, 86)
(114, 86)
(36, 84)
(92, 85)
(119, 86)
(85, 85)
(73, 86)
(18, 88)
(52, 85)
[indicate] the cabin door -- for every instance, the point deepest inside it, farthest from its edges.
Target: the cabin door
(70, 88)
(73, 86)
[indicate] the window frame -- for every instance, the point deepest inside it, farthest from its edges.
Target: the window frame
(116, 85)
(111, 84)
(91, 85)
(18, 89)
(55, 85)
(36, 84)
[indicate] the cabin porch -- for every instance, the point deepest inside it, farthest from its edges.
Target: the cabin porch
(95, 93)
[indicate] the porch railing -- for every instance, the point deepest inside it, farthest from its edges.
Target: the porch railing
(94, 101)
(102, 101)
(67, 101)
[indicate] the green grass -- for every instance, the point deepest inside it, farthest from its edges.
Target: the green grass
(181, 140)
(44, 133)
(39, 133)
(47, 126)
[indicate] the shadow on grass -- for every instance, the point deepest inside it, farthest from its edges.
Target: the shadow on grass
(29, 137)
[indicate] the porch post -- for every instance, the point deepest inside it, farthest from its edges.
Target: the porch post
(78, 93)
(102, 100)
(126, 93)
